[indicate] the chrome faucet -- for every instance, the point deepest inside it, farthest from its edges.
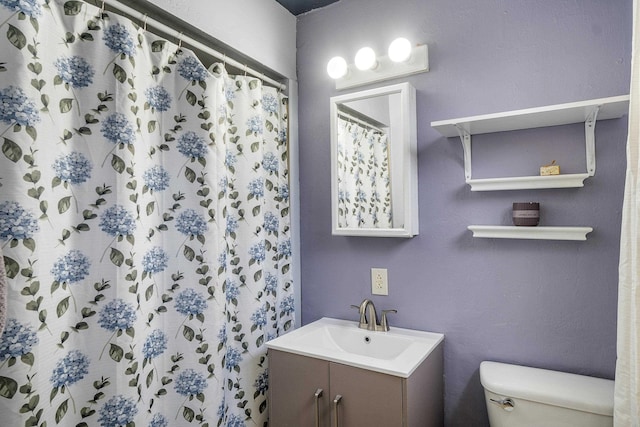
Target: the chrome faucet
(369, 317)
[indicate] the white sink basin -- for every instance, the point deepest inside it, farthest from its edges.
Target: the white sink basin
(397, 352)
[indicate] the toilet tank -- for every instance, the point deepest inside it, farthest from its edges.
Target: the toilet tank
(520, 396)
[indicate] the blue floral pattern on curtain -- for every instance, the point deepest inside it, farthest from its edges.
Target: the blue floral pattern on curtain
(144, 220)
(364, 184)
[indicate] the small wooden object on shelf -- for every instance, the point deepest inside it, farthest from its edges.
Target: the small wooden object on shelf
(550, 169)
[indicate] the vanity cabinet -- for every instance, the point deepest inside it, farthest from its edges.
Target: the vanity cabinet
(308, 392)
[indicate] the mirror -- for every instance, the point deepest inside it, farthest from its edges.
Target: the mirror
(373, 163)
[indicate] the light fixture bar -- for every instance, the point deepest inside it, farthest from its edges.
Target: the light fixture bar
(387, 69)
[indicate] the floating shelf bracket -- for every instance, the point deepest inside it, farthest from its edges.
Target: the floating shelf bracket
(465, 138)
(590, 140)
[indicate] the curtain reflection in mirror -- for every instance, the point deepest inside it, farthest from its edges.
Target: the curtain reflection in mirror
(364, 184)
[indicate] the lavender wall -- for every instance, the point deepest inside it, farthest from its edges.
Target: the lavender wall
(539, 303)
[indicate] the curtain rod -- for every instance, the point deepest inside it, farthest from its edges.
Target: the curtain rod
(147, 20)
(359, 121)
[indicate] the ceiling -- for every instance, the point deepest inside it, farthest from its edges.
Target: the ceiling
(301, 6)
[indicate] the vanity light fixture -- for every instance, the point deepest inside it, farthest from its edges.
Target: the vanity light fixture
(403, 59)
(400, 50)
(366, 59)
(337, 67)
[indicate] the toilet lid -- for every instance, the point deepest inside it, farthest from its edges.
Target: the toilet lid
(578, 392)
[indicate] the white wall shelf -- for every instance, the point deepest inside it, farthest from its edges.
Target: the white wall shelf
(554, 115)
(537, 233)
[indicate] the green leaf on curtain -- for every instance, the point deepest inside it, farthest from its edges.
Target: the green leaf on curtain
(188, 333)
(189, 253)
(72, 7)
(16, 37)
(253, 84)
(28, 359)
(62, 307)
(64, 204)
(116, 257)
(117, 164)
(149, 378)
(61, 411)
(151, 126)
(189, 174)
(29, 243)
(12, 268)
(119, 73)
(191, 98)
(157, 46)
(66, 104)
(150, 208)
(8, 387)
(188, 414)
(255, 146)
(11, 150)
(116, 352)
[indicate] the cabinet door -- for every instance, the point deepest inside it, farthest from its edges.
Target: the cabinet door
(368, 398)
(293, 383)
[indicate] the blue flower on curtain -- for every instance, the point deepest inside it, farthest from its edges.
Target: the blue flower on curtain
(235, 421)
(270, 162)
(156, 178)
(191, 69)
(117, 129)
(118, 411)
(191, 223)
(284, 248)
(232, 359)
(189, 383)
(117, 221)
(74, 71)
(255, 125)
(190, 303)
(17, 339)
(283, 192)
(271, 223)
(270, 283)
(262, 383)
(30, 8)
(158, 98)
(16, 222)
(117, 315)
(229, 160)
(71, 267)
(269, 103)
(192, 145)
(155, 260)
(231, 291)
(16, 107)
(287, 305)
(256, 188)
(155, 344)
(118, 39)
(73, 168)
(70, 369)
(158, 420)
(259, 318)
(232, 224)
(257, 252)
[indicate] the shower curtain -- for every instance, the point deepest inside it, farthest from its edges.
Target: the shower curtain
(627, 384)
(364, 184)
(145, 226)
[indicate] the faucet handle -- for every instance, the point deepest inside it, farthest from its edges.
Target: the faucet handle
(383, 322)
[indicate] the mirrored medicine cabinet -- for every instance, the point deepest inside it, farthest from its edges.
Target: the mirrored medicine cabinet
(373, 162)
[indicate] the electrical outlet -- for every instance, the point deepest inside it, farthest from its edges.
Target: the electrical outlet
(379, 283)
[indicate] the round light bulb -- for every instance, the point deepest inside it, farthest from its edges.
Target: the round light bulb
(365, 59)
(400, 50)
(337, 67)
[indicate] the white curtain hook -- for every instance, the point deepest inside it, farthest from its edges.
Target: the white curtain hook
(224, 60)
(144, 22)
(245, 70)
(180, 40)
(102, 8)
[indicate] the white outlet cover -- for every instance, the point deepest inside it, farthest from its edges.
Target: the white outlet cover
(379, 281)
